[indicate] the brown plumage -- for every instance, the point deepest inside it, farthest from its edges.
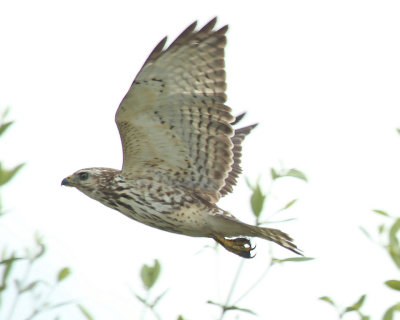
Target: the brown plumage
(180, 151)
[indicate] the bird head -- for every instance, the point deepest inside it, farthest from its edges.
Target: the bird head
(90, 180)
(81, 178)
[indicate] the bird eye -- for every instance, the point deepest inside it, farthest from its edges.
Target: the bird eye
(83, 176)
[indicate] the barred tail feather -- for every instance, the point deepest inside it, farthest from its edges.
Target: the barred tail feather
(276, 236)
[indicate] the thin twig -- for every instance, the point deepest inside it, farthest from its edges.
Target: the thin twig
(46, 308)
(255, 284)
(233, 286)
(18, 293)
(235, 280)
(145, 305)
(155, 313)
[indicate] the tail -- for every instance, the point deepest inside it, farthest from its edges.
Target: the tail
(276, 236)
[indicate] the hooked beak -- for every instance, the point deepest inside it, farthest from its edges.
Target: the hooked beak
(66, 182)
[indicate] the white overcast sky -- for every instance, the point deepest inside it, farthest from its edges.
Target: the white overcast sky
(321, 77)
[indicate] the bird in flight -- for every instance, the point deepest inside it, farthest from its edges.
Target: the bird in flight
(181, 153)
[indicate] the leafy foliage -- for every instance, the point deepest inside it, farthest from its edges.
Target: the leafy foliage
(391, 245)
(295, 173)
(231, 308)
(381, 212)
(328, 300)
(20, 283)
(7, 175)
(259, 197)
(355, 307)
(63, 274)
(4, 125)
(257, 200)
(150, 274)
(394, 284)
(295, 259)
(389, 314)
(16, 267)
(85, 312)
(289, 204)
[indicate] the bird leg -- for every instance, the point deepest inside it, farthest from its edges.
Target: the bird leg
(240, 246)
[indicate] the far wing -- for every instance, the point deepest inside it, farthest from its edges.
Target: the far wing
(173, 119)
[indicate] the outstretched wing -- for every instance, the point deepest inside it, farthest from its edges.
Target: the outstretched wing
(173, 119)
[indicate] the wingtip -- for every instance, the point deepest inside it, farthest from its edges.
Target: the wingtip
(252, 126)
(238, 118)
(191, 27)
(210, 24)
(156, 51)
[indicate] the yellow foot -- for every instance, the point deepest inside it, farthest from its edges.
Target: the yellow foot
(240, 246)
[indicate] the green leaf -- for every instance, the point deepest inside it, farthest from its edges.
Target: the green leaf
(296, 174)
(327, 299)
(394, 284)
(5, 126)
(30, 286)
(10, 260)
(274, 174)
(357, 305)
(398, 130)
(289, 204)
(150, 274)
(240, 309)
(381, 212)
(157, 300)
(249, 184)
(257, 201)
(366, 233)
(360, 302)
(296, 259)
(63, 274)
(393, 246)
(9, 263)
(180, 318)
(228, 308)
(42, 247)
(215, 303)
(5, 113)
(7, 175)
(85, 312)
(390, 312)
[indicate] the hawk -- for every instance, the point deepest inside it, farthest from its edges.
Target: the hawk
(180, 151)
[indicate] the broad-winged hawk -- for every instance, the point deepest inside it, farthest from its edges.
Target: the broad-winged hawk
(180, 151)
